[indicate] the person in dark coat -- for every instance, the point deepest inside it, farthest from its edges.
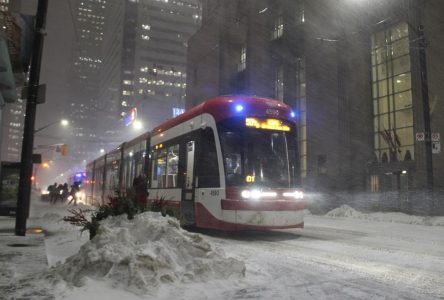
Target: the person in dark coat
(140, 186)
(75, 188)
(52, 189)
(58, 193)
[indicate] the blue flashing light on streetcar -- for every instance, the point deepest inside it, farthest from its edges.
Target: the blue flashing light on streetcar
(239, 108)
(294, 114)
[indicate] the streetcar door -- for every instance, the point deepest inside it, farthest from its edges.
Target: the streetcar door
(187, 203)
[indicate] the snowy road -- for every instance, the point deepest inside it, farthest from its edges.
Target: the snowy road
(339, 259)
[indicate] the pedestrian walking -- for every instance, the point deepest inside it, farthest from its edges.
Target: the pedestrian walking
(52, 189)
(75, 188)
(65, 192)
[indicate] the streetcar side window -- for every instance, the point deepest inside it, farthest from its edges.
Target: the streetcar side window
(172, 166)
(207, 169)
(158, 171)
(165, 168)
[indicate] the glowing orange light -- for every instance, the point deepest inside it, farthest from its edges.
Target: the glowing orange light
(268, 124)
(32, 178)
(249, 178)
(36, 230)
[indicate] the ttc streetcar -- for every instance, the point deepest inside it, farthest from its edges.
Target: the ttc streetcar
(230, 163)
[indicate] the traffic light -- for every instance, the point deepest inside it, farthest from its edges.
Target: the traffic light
(64, 150)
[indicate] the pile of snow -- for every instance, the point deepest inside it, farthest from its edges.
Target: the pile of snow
(52, 220)
(346, 211)
(141, 254)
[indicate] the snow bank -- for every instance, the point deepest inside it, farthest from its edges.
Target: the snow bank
(140, 255)
(52, 219)
(346, 211)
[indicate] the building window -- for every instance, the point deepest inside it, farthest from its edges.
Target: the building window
(300, 13)
(302, 109)
(392, 94)
(279, 84)
(374, 183)
(278, 29)
(243, 59)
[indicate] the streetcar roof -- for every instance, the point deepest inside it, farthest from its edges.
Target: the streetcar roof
(224, 107)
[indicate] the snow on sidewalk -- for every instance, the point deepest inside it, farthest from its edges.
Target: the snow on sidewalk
(346, 211)
(138, 256)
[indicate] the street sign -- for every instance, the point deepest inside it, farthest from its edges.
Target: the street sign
(436, 147)
(420, 136)
(435, 137)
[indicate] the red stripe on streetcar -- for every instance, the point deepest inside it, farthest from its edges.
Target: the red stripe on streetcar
(205, 219)
(261, 205)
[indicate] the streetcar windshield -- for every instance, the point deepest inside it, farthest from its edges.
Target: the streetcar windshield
(254, 156)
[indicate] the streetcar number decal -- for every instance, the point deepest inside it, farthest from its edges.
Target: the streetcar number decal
(273, 112)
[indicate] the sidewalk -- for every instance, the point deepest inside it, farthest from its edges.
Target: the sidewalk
(48, 240)
(20, 256)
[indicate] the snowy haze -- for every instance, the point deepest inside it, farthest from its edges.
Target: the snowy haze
(344, 254)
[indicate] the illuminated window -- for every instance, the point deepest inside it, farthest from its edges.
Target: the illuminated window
(243, 59)
(279, 84)
(178, 111)
(302, 110)
(300, 13)
(278, 29)
(392, 94)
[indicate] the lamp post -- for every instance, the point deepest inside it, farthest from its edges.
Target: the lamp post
(62, 122)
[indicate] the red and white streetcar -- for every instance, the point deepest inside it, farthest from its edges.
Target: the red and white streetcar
(230, 163)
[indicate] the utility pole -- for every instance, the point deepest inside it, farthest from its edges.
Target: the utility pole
(24, 192)
(427, 122)
(426, 112)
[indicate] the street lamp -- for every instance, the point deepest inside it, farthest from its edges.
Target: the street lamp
(62, 122)
(137, 125)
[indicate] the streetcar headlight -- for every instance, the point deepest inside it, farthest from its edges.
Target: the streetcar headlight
(246, 194)
(257, 194)
(295, 194)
